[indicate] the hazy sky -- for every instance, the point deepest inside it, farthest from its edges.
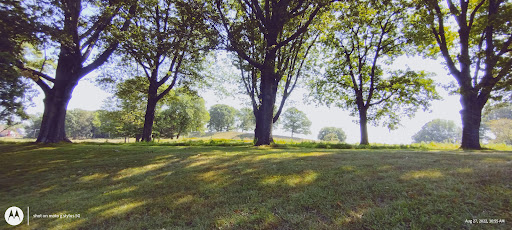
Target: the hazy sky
(89, 97)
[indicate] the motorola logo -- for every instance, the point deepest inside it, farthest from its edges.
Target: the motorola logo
(13, 216)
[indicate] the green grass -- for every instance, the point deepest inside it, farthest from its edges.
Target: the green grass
(142, 186)
(233, 139)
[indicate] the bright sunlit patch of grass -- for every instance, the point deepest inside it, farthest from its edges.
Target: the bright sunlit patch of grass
(185, 199)
(56, 161)
(47, 149)
(500, 147)
(385, 168)
(494, 160)
(92, 177)
(121, 191)
(348, 168)
(212, 176)
(129, 172)
(300, 179)
(120, 207)
(69, 224)
(199, 162)
(465, 170)
(47, 189)
(428, 174)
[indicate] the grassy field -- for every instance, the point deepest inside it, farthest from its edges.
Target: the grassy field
(243, 187)
(232, 135)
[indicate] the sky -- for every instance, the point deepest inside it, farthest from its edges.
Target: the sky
(88, 96)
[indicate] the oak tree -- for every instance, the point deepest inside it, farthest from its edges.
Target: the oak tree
(271, 39)
(77, 30)
(363, 37)
(168, 40)
(475, 40)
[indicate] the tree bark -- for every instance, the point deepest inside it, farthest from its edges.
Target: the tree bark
(149, 118)
(265, 113)
(54, 117)
(57, 98)
(363, 126)
(471, 114)
(263, 131)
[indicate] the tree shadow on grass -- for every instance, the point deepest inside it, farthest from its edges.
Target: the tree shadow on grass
(155, 187)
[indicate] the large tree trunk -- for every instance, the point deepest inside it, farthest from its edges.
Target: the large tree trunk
(263, 131)
(54, 117)
(471, 114)
(265, 114)
(363, 126)
(149, 118)
(57, 98)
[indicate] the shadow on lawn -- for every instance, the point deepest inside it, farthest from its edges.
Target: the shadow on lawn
(155, 187)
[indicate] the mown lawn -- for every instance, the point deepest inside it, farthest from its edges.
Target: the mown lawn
(199, 187)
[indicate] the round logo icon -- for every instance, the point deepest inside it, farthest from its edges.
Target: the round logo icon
(13, 216)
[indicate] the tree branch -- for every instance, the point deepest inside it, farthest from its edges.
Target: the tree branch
(257, 10)
(504, 71)
(102, 58)
(301, 30)
(46, 89)
(232, 43)
(99, 27)
(382, 100)
(472, 16)
(287, 92)
(504, 49)
(249, 87)
(171, 66)
(39, 74)
(374, 66)
(453, 9)
(441, 41)
(166, 91)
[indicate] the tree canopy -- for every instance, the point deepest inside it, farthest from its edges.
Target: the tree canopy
(271, 40)
(182, 112)
(76, 34)
(498, 121)
(332, 134)
(246, 120)
(222, 118)
(16, 28)
(361, 39)
(438, 130)
(296, 121)
(168, 40)
(79, 124)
